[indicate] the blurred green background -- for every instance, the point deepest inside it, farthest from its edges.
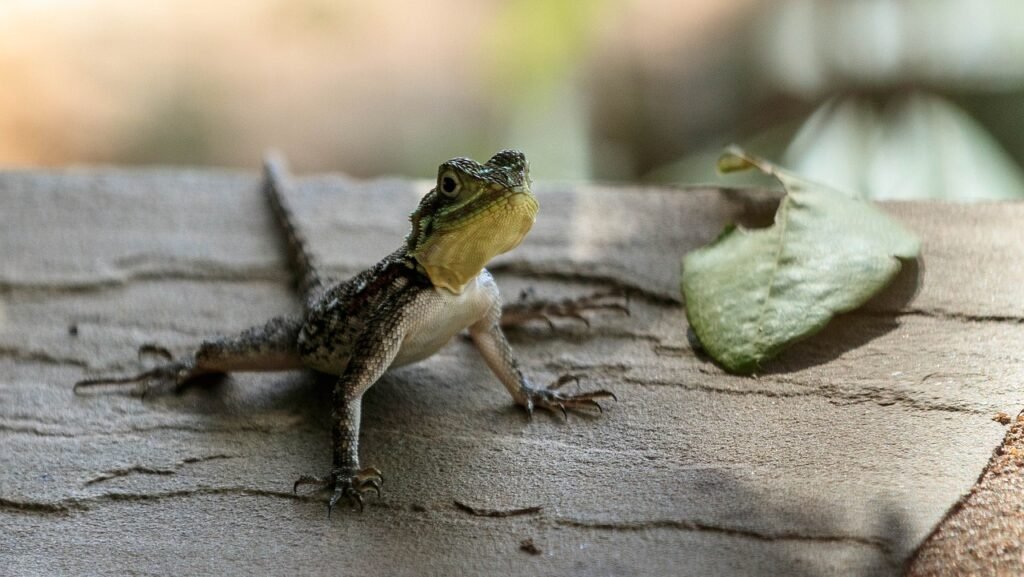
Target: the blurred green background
(890, 98)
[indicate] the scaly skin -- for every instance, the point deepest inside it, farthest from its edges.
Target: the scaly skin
(401, 310)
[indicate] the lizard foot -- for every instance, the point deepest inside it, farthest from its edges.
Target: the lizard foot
(528, 308)
(345, 485)
(552, 399)
(174, 373)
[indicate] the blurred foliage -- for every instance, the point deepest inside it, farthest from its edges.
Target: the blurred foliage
(534, 45)
(876, 73)
(531, 57)
(630, 90)
(910, 147)
(817, 47)
(181, 130)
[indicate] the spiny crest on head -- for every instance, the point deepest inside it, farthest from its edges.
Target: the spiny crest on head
(507, 168)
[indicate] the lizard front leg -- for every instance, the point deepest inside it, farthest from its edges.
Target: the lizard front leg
(371, 356)
(494, 347)
(346, 479)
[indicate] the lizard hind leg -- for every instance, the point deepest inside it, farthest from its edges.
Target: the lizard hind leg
(529, 308)
(271, 347)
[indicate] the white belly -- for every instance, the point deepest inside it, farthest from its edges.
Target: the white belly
(440, 314)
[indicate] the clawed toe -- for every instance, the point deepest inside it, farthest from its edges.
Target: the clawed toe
(582, 402)
(174, 373)
(552, 400)
(562, 380)
(569, 308)
(575, 378)
(345, 486)
(155, 349)
(605, 301)
(354, 497)
(310, 480)
(369, 479)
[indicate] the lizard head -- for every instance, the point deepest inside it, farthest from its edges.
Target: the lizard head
(474, 213)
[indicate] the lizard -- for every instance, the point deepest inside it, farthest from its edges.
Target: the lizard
(399, 311)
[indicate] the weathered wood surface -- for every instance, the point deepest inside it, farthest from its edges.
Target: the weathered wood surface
(839, 460)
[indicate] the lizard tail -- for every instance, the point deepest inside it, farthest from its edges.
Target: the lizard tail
(277, 186)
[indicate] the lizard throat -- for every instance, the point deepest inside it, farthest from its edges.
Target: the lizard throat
(453, 258)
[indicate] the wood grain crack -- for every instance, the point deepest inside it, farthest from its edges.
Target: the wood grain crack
(27, 355)
(144, 470)
(480, 512)
(82, 504)
(684, 525)
(831, 393)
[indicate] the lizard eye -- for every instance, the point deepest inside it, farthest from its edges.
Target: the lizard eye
(449, 184)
